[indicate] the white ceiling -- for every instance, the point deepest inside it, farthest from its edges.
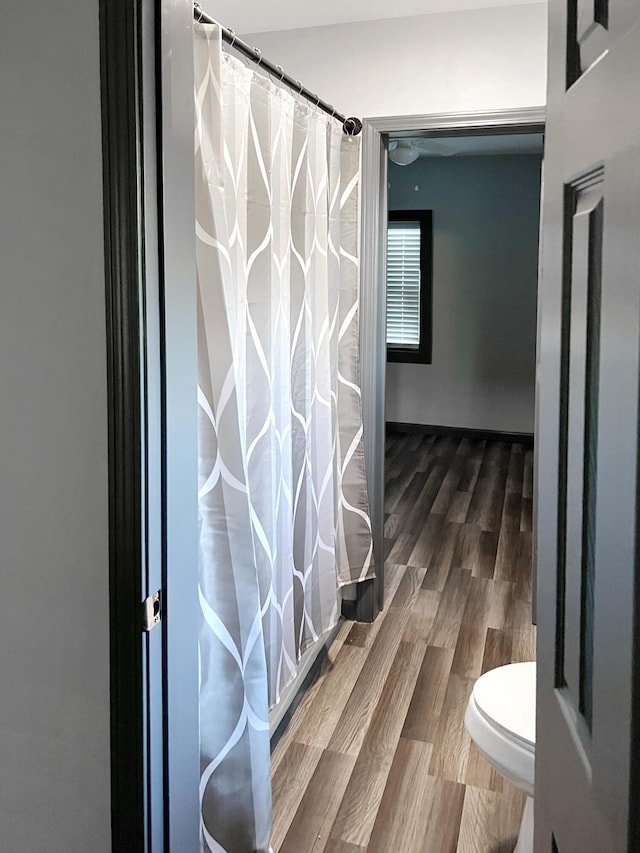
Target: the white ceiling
(257, 16)
(466, 146)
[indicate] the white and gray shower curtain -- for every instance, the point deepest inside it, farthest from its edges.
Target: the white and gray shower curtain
(284, 521)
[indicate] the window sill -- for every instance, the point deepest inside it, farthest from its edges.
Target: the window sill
(408, 356)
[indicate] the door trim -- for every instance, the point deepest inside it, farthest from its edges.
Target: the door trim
(123, 228)
(372, 302)
(146, 53)
(176, 121)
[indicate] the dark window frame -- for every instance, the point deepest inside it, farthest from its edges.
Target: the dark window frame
(423, 354)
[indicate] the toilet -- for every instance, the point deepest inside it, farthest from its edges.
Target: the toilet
(501, 720)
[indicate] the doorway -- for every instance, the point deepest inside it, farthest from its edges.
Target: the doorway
(375, 202)
(461, 293)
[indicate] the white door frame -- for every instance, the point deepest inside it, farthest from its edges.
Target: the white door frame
(373, 263)
(176, 158)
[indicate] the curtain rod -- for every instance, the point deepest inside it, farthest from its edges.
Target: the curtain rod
(351, 126)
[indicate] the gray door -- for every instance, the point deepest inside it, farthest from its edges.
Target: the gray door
(588, 432)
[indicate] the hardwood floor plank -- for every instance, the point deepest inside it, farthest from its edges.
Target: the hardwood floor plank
(423, 456)
(487, 550)
(497, 649)
(480, 505)
(512, 510)
(360, 707)
(392, 494)
(395, 452)
(393, 525)
(527, 477)
(312, 694)
(334, 846)
(393, 574)
(340, 638)
(393, 439)
(423, 716)
(470, 475)
(360, 635)
(440, 564)
(493, 517)
(428, 541)
(359, 807)
(414, 442)
(401, 829)
(523, 581)
(480, 773)
(515, 472)
(388, 545)
(464, 448)
(411, 493)
(309, 829)
(443, 819)
(318, 724)
(402, 548)
(408, 588)
(506, 565)
(525, 515)
(422, 616)
(451, 748)
(472, 467)
(288, 785)
(466, 555)
(459, 507)
(446, 625)
(445, 446)
(497, 455)
(403, 471)
(500, 606)
(449, 487)
(490, 820)
(467, 659)
(416, 518)
(524, 633)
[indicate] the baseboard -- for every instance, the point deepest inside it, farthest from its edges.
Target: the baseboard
(525, 438)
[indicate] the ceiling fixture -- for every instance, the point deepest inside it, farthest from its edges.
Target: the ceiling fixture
(403, 152)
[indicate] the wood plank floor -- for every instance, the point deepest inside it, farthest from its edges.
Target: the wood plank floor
(376, 757)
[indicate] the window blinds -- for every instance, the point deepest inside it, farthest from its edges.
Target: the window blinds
(403, 284)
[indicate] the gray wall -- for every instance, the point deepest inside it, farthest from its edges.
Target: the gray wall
(54, 653)
(485, 234)
(474, 59)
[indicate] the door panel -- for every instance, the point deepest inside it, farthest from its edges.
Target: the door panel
(579, 410)
(588, 429)
(617, 506)
(590, 39)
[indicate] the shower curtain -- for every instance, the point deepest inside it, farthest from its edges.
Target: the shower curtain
(283, 511)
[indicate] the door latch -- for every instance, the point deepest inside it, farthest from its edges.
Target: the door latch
(151, 611)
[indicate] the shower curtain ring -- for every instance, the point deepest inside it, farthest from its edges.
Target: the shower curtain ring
(280, 69)
(258, 54)
(300, 87)
(233, 35)
(317, 97)
(199, 10)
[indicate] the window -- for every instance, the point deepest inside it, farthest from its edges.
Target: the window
(409, 243)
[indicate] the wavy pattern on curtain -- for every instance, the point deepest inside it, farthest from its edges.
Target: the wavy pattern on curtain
(284, 520)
